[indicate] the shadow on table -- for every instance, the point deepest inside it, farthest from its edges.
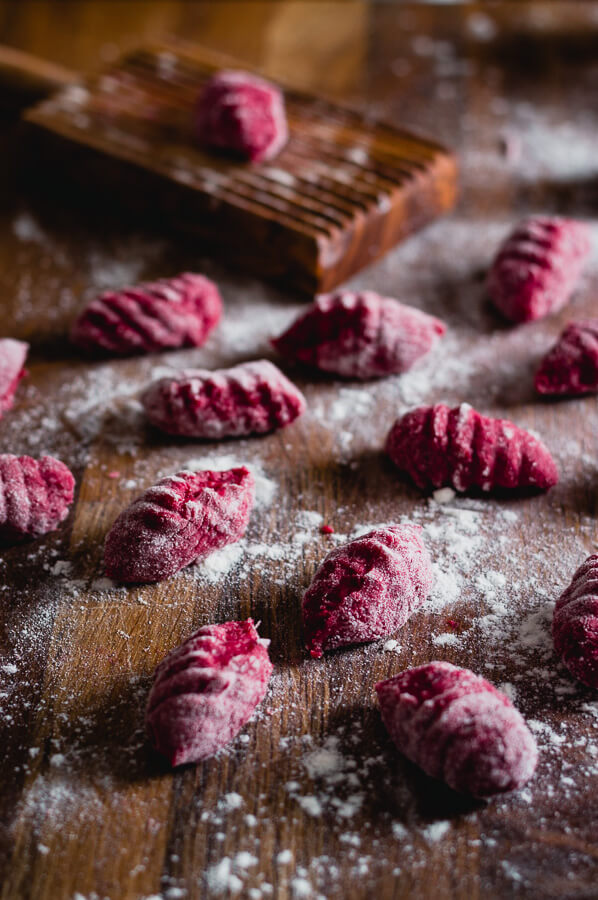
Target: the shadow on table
(104, 737)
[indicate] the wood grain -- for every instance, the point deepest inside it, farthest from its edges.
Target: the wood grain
(91, 811)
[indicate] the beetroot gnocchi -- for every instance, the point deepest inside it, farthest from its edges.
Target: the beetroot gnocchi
(12, 369)
(206, 690)
(458, 728)
(571, 366)
(252, 398)
(538, 266)
(181, 517)
(438, 446)
(575, 624)
(360, 335)
(242, 114)
(366, 588)
(174, 312)
(35, 495)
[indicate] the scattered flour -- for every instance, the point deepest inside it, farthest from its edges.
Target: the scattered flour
(399, 831)
(546, 734)
(436, 831)
(26, 228)
(62, 567)
(230, 802)
(301, 888)
(590, 708)
(220, 878)
(221, 562)
(510, 871)
(444, 495)
(247, 555)
(445, 640)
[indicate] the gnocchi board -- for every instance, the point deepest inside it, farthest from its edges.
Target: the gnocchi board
(312, 797)
(343, 191)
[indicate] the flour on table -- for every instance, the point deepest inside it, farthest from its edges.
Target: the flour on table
(391, 646)
(436, 831)
(446, 639)
(27, 228)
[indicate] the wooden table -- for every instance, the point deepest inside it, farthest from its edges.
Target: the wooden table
(312, 799)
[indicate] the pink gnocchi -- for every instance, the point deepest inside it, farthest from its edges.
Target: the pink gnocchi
(360, 335)
(366, 588)
(180, 518)
(35, 495)
(12, 369)
(458, 728)
(243, 115)
(571, 366)
(538, 267)
(206, 690)
(252, 398)
(575, 624)
(163, 315)
(438, 446)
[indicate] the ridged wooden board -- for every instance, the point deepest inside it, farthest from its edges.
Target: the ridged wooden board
(342, 192)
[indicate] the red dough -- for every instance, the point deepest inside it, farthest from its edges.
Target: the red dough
(251, 398)
(174, 312)
(35, 495)
(180, 518)
(439, 446)
(457, 727)
(242, 114)
(538, 266)
(571, 366)
(206, 690)
(575, 624)
(360, 335)
(12, 361)
(366, 589)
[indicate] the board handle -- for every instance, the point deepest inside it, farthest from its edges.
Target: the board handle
(25, 79)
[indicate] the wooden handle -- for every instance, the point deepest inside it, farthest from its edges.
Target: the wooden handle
(25, 79)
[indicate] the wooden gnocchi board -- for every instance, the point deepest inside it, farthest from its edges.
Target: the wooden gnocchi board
(343, 191)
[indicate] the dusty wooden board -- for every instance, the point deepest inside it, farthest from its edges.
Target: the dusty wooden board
(340, 194)
(107, 819)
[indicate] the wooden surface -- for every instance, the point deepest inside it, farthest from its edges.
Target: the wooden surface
(341, 193)
(87, 810)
